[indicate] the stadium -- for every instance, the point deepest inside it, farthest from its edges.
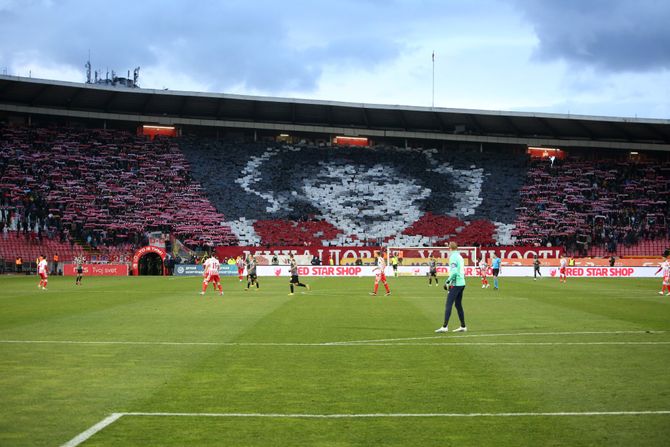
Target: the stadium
(134, 189)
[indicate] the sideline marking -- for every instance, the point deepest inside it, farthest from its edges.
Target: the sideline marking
(85, 435)
(378, 342)
(334, 345)
(502, 335)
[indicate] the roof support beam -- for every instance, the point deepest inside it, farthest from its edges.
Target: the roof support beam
(182, 105)
(147, 101)
(547, 125)
(39, 93)
(109, 101)
(254, 110)
(366, 117)
(474, 122)
(585, 128)
(73, 97)
(652, 128)
(621, 130)
(403, 119)
(510, 122)
(221, 107)
(440, 121)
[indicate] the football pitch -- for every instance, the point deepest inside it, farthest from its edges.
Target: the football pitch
(150, 362)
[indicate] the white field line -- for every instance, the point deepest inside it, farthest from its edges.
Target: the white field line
(341, 345)
(377, 342)
(397, 415)
(85, 435)
(518, 334)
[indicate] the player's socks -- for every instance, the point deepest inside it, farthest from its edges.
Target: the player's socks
(386, 286)
(291, 288)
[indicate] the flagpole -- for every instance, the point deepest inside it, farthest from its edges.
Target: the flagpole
(433, 102)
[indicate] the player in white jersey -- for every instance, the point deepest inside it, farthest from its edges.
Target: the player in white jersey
(42, 271)
(483, 270)
(562, 270)
(665, 268)
(211, 274)
(380, 275)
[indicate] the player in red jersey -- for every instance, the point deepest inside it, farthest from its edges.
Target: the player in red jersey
(42, 271)
(211, 274)
(240, 267)
(483, 269)
(665, 268)
(562, 270)
(380, 275)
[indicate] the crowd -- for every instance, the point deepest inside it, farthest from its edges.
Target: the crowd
(105, 189)
(584, 203)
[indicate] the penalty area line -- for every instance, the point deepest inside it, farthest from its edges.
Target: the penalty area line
(399, 415)
(85, 435)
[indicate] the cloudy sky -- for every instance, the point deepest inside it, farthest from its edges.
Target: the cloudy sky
(594, 57)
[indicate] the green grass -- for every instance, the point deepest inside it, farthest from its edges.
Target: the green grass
(266, 352)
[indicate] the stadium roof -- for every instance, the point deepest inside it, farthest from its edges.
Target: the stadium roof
(145, 106)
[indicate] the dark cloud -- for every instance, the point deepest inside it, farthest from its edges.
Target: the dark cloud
(261, 45)
(609, 35)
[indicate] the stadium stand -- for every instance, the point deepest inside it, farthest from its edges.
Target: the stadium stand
(98, 192)
(596, 207)
(102, 188)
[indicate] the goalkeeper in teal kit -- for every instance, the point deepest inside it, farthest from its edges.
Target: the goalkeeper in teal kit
(455, 284)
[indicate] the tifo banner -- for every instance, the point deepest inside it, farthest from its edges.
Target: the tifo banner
(97, 269)
(198, 269)
(337, 254)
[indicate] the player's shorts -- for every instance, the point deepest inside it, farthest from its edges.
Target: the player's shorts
(433, 273)
(80, 271)
(253, 276)
(380, 277)
(561, 270)
(240, 270)
(395, 267)
(294, 279)
(495, 272)
(213, 278)
(43, 276)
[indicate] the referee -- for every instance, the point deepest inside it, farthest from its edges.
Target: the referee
(455, 284)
